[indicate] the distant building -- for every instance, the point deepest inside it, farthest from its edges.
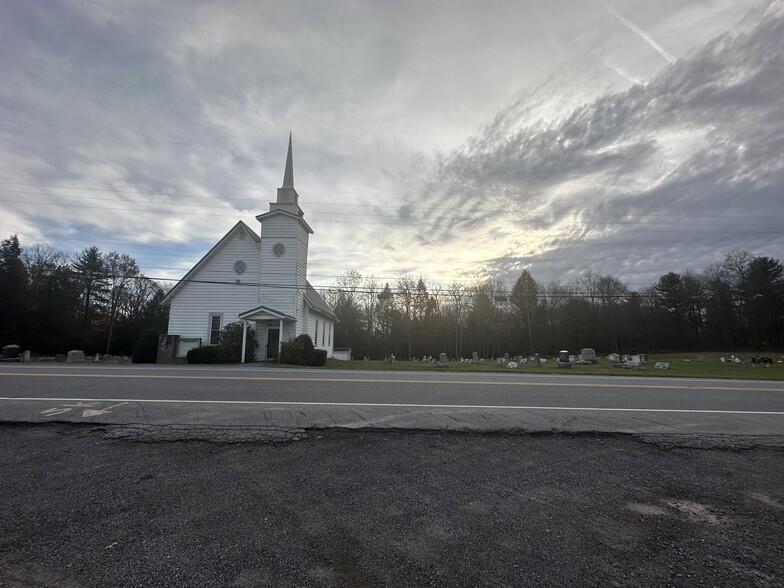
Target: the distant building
(342, 353)
(258, 279)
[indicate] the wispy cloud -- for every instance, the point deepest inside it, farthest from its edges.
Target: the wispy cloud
(637, 30)
(672, 173)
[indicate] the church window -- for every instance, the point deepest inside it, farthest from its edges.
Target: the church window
(329, 337)
(316, 332)
(278, 249)
(322, 333)
(240, 267)
(215, 328)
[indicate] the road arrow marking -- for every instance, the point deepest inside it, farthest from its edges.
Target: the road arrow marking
(55, 411)
(91, 412)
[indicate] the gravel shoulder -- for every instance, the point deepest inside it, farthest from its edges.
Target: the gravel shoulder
(82, 507)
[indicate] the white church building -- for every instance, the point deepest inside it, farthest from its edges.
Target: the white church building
(258, 279)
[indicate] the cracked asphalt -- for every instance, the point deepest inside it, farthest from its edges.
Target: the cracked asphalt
(89, 505)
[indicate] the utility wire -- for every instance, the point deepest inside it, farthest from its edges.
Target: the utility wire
(386, 224)
(321, 203)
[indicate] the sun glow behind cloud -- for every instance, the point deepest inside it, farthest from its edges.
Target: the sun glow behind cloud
(457, 147)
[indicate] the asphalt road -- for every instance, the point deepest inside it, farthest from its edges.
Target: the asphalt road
(252, 397)
(385, 508)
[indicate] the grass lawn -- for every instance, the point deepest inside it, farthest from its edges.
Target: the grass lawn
(683, 365)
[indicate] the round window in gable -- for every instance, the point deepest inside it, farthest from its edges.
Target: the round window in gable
(240, 267)
(278, 249)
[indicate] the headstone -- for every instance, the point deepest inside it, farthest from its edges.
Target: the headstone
(474, 357)
(588, 354)
(26, 356)
(563, 359)
(97, 357)
(614, 357)
(506, 357)
(75, 356)
(442, 360)
(537, 359)
(700, 358)
(512, 365)
(499, 362)
(662, 365)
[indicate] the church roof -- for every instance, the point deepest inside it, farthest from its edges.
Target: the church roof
(240, 226)
(264, 312)
(317, 303)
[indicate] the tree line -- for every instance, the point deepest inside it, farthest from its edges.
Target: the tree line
(736, 304)
(101, 302)
(96, 301)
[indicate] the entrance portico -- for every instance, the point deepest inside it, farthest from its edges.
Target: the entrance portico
(272, 328)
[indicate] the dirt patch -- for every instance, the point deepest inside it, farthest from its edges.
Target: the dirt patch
(697, 512)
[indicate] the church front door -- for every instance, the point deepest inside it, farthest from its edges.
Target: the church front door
(273, 338)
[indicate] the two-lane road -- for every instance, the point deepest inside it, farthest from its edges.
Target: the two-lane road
(253, 396)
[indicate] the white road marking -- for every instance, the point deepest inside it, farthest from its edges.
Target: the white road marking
(691, 385)
(92, 412)
(401, 405)
(55, 411)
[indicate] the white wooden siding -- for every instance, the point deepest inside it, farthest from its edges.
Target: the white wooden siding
(195, 301)
(280, 274)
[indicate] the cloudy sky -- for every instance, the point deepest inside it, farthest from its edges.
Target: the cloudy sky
(456, 140)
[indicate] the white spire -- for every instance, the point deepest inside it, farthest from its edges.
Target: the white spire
(287, 195)
(288, 176)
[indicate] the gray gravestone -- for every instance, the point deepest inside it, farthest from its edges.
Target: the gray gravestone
(474, 357)
(75, 356)
(442, 360)
(589, 354)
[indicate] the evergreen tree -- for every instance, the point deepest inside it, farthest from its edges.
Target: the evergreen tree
(13, 293)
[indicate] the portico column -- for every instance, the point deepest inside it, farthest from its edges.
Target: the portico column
(280, 340)
(244, 338)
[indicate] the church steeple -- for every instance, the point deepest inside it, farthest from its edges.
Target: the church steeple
(287, 195)
(288, 176)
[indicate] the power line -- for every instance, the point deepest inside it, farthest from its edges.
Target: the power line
(386, 224)
(342, 205)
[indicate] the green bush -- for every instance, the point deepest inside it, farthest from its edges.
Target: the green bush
(231, 340)
(300, 351)
(320, 357)
(209, 354)
(146, 349)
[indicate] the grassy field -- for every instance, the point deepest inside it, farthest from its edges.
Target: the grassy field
(682, 365)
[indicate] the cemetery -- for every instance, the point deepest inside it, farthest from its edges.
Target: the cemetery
(588, 362)
(585, 361)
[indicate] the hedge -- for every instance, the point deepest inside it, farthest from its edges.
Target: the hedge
(209, 354)
(300, 351)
